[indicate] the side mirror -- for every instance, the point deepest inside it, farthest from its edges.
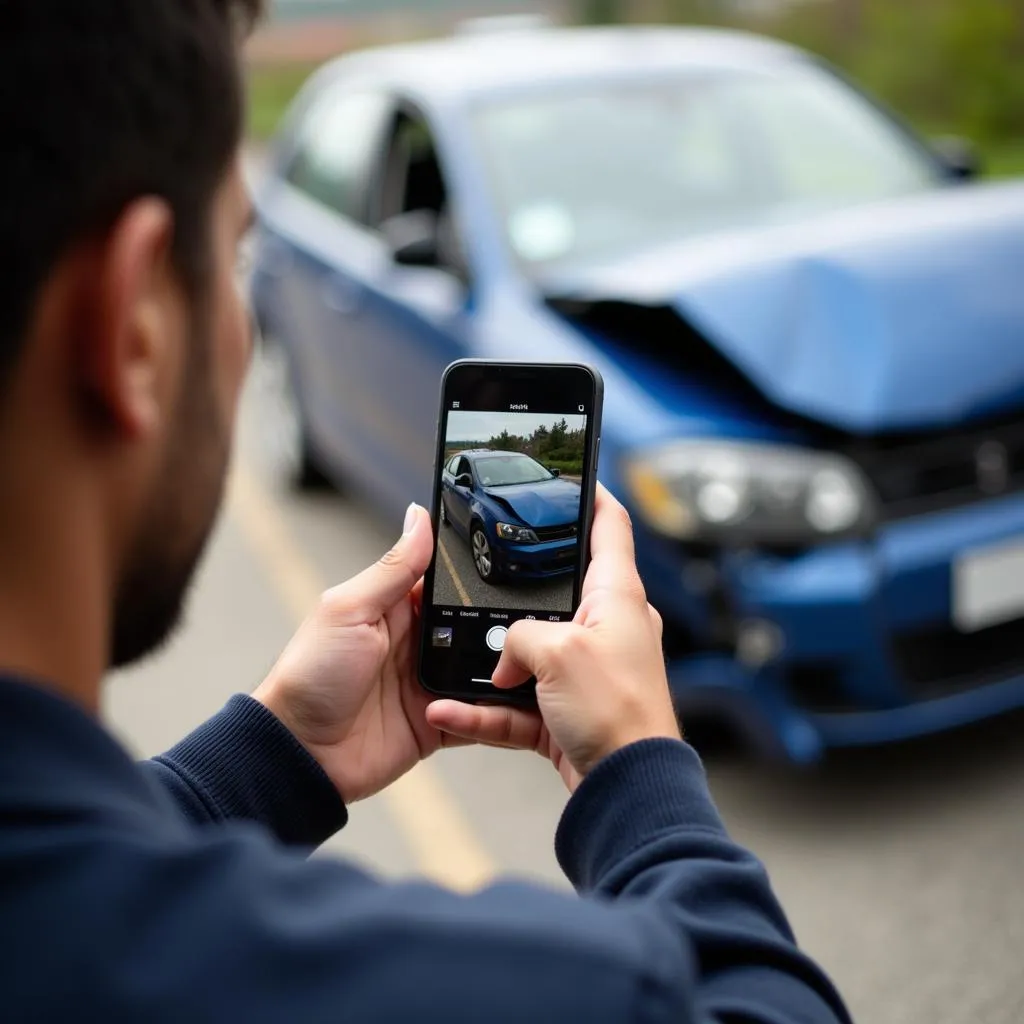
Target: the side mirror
(464, 480)
(413, 239)
(958, 156)
(553, 471)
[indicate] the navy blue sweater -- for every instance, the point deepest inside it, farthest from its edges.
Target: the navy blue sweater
(180, 891)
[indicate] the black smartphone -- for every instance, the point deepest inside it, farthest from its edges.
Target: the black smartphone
(514, 483)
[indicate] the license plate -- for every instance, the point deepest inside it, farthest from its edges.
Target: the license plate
(988, 587)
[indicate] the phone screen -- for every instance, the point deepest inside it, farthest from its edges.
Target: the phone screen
(512, 505)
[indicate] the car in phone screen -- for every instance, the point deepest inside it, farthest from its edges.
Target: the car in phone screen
(520, 519)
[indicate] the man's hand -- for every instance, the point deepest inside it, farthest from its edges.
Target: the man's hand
(347, 685)
(601, 681)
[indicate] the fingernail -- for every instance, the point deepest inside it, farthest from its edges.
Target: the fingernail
(411, 515)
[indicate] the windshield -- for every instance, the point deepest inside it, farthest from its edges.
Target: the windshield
(505, 470)
(592, 173)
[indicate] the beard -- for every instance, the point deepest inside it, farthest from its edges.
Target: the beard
(179, 520)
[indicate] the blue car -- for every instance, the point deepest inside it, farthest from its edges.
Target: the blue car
(518, 517)
(809, 321)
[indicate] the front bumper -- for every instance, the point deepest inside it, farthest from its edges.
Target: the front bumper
(867, 650)
(536, 561)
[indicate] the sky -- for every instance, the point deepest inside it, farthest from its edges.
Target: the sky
(482, 426)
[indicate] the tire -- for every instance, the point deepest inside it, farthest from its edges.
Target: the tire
(483, 556)
(287, 438)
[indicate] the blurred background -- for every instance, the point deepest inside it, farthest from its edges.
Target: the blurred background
(949, 66)
(808, 309)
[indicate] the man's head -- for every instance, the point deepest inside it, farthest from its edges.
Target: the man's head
(123, 339)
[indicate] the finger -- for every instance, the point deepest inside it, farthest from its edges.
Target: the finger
(493, 726)
(404, 617)
(416, 598)
(529, 646)
(526, 645)
(613, 557)
(657, 621)
(373, 592)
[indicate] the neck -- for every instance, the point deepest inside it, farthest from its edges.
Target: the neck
(54, 587)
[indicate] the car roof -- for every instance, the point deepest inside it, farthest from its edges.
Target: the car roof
(476, 453)
(466, 66)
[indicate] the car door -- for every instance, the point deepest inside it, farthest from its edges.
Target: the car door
(418, 319)
(314, 257)
(448, 485)
(461, 496)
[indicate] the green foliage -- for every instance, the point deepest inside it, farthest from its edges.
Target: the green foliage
(271, 91)
(1005, 159)
(956, 63)
(600, 12)
(558, 448)
(948, 66)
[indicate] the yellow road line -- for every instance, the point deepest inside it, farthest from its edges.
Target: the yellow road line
(450, 566)
(437, 832)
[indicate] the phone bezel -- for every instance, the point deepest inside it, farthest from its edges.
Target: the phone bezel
(499, 371)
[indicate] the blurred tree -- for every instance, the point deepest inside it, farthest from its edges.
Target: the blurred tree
(947, 65)
(695, 12)
(601, 12)
(557, 436)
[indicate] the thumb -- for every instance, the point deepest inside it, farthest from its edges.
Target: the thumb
(528, 645)
(377, 590)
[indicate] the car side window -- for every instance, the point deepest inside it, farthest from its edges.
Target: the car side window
(453, 465)
(413, 182)
(464, 467)
(338, 140)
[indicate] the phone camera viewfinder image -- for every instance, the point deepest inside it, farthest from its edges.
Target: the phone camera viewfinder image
(510, 510)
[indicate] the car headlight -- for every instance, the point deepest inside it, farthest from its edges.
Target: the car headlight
(516, 534)
(754, 493)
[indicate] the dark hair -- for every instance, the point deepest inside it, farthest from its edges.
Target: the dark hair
(102, 102)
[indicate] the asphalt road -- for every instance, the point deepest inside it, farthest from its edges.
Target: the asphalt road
(457, 582)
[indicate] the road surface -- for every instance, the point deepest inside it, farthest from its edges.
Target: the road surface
(456, 582)
(903, 871)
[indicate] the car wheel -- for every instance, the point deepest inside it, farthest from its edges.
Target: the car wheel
(483, 557)
(445, 521)
(285, 439)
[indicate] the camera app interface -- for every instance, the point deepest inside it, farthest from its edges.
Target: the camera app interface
(510, 507)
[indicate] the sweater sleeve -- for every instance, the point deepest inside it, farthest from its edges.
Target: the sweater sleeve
(666, 847)
(675, 923)
(244, 765)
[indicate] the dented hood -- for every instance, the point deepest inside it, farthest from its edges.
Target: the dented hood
(902, 315)
(553, 502)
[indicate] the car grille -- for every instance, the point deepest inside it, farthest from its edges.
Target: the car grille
(913, 476)
(550, 533)
(818, 688)
(940, 661)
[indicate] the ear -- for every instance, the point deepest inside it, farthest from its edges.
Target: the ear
(130, 347)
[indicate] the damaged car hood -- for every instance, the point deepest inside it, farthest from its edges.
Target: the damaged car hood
(895, 316)
(548, 503)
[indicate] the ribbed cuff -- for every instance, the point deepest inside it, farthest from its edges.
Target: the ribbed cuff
(246, 765)
(629, 799)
